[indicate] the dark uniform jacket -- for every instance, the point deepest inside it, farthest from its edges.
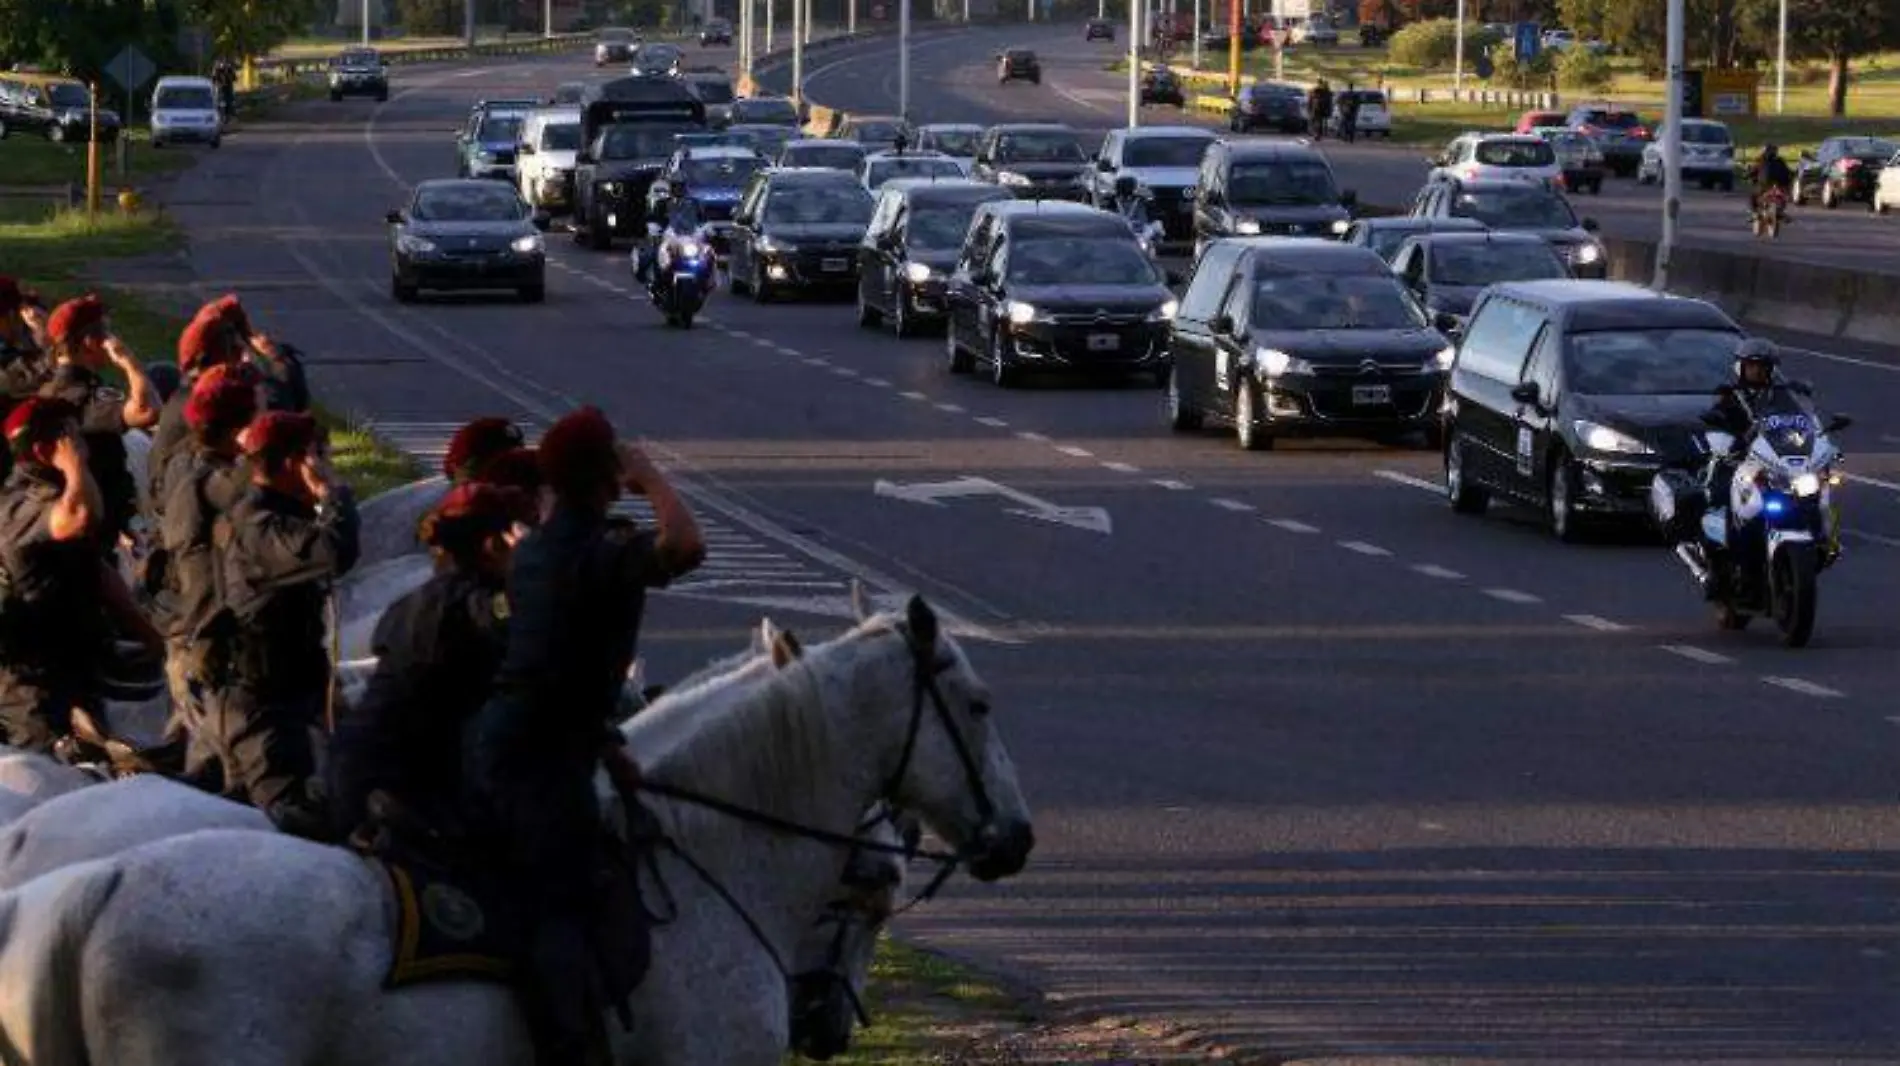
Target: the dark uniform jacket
(52, 620)
(282, 556)
(102, 421)
(23, 371)
(204, 487)
(285, 386)
(437, 650)
(170, 439)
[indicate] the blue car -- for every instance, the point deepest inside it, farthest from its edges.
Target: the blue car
(714, 178)
(488, 141)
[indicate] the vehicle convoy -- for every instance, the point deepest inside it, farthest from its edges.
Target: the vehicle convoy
(1520, 207)
(1034, 161)
(1760, 524)
(1447, 271)
(798, 230)
(1268, 188)
(628, 130)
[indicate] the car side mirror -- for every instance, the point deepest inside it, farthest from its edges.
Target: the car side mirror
(1447, 324)
(1104, 166)
(1224, 325)
(1525, 393)
(1349, 198)
(1175, 277)
(1837, 423)
(394, 218)
(1590, 225)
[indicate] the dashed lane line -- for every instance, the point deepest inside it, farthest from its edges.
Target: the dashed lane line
(917, 396)
(1407, 479)
(1171, 485)
(1075, 452)
(1600, 624)
(1360, 547)
(1292, 525)
(1230, 505)
(1121, 468)
(1698, 655)
(1806, 688)
(1513, 596)
(1031, 435)
(993, 423)
(1440, 572)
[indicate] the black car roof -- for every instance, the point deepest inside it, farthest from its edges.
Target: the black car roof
(810, 176)
(953, 190)
(1310, 255)
(827, 142)
(1271, 150)
(1034, 127)
(1425, 224)
(1597, 306)
(1432, 239)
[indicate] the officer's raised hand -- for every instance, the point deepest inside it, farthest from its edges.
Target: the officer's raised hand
(142, 405)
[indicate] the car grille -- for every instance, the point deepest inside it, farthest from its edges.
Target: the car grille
(1374, 373)
(1137, 341)
(472, 247)
(810, 261)
(1296, 229)
(503, 156)
(1100, 320)
(1333, 399)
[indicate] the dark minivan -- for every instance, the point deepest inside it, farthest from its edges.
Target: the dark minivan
(1569, 396)
(1302, 337)
(1272, 188)
(912, 244)
(1052, 286)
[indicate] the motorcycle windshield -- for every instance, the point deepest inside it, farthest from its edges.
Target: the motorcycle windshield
(1789, 430)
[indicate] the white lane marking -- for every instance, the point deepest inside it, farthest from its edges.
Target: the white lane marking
(1871, 538)
(1430, 570)
(1029, 436)
(1230, 505)
(877, 383)
(1362, 547)
(763, 342)
(844, 371)
(1862, 479)
(918, 396)
(950, 408)
(739, 333)
(1408, 480)
(1512, 596)
(1591, 621)
(1806, 688)
(1292, 526)
(1121, 468)
(1696, 654)
(817, 362)
(783, 350)
(1172, 486)
(993, 423)
(1079, 453)
(1848, 359)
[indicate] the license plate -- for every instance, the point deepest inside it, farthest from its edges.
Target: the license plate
(835, 266)
(1104, 342)
(1367, 395)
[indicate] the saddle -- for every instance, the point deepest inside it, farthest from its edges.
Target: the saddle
(91, 744)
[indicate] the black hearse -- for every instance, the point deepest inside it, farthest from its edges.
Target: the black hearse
(627, 134)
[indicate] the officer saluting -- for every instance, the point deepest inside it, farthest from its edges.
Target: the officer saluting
(292, 534)
(436, 652)
(82, 344)
(214, 338)
(53, 630)
(23, 366)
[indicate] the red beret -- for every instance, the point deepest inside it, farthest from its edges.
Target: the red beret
(75, 317)
(516, 468)
(479, 506)
(579, 446)
(279, 433)
(475, 444)
(227, 309)
(36, 420)
(226, 396)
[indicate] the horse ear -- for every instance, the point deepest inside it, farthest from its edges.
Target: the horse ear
(923, 622)
(765, 636)
(786, 648)
(860, 608)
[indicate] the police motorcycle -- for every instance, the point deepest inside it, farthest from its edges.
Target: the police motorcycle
(1763, 552)
(1135, 203)
(684, 271)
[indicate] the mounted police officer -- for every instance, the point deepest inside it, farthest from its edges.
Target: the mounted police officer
(577, 593)
(292, 534)
(437, 649)
(206, 481)
(214, 338)
(82, 344)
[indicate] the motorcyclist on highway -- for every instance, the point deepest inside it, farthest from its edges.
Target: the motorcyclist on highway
(1758, 388)
(1771, 172)
(1130, 204)
(683, 217)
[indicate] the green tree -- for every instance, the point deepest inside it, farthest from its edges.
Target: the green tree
(1712, 36)
(251, 27)
(430, 18)
(79, 37)
(1836, 31)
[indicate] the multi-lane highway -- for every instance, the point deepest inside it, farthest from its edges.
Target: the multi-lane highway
(1321, 769)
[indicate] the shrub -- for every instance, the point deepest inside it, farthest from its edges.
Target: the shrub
(1432, 44)
(430, 18)
(1584, 70)
(1508, 73)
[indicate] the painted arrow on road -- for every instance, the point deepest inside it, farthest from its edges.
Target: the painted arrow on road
(934, 493)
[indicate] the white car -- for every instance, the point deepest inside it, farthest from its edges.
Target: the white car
(185, 109)
(1375, 115)
(880, 167)
(544, 162)
(954, 139)
(1708, 155)
(1498, 157)
(1887, 189)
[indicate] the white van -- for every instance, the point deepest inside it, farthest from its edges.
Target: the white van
(544, 163)
(185, 109)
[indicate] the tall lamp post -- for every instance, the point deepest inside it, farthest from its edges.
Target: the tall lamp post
(1671, 149)
(1134, 63)
(1781, 62)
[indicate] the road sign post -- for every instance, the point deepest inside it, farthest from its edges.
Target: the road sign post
(130, 70)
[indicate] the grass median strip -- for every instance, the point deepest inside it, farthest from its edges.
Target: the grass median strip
(926, 1009)
(26, 159)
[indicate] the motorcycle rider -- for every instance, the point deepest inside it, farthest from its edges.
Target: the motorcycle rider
(1771, 172)
(1757, 389)
(683, 216)
(1130, 204)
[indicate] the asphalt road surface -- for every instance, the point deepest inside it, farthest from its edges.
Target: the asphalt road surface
(955, 81)
(1321, 770)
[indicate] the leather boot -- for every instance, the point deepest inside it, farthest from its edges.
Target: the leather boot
(563, 1012)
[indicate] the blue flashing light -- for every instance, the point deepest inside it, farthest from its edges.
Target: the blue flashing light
(1774, 505)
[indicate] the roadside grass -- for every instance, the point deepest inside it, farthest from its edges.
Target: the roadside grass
(367, 463)
(28, 159)
(925, 1009)
(324, 47)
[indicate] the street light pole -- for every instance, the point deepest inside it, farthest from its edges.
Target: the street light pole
(851, 17)
(903, 60)
(770, 5)
(1197, 35)
(798, 52)
(1672, 148)
(366, 22)
(1233, 48)
(1458, 53)
(1781, 62)
(1134, 63)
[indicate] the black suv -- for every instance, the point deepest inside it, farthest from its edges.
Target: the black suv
(716, 31)
(1570, 396)
(1099, 30)
(1018, 64)
(359, 72)
(1035, 161)
(915, 235)
(1520, 207)
(1049, 286)
(798, 228)
(1270, 188)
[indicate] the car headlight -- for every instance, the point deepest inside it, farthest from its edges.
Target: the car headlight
(1165, 313)
(415, 245)
(1247, 226)
(1010, 177)
(1589, 253)
(1340, 227)
(1276, 363)
(528, 245)
(690, 249)
(1443, 360)
(1805, 484)
(916, 273)
(1599, 438)
(1021, 314)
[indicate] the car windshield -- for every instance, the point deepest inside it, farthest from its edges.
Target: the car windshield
(834, 156)
(564, 137)
(1704, 133)
(876, 131)
(1165, 151)
(1485, 262)
(939, 227)
(814, 205)
(1525, 153)
(1038, 147)
(1650, 362)
(499, 128)
(885, 169)
(67, 94)
(1081, 261)
(358, 59)
(185, 98)
(724, 171)
(637, 142)
(767, 110)
(1333, 301)
(1526, 208)
(1282, 183)
(714, 92)
(659, 53)
(472, 202)
(951, 142)
(1865, 148)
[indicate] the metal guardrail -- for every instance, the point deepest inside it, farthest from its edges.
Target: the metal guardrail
(289, 69)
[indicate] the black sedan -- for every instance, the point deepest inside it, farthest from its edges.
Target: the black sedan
(1099, 30)
(1842, 169)
(1520, 207)
(658, 60)
(462, 234)
(1385, 235)
(1269, 105)
(1447, 271)
(1319, 339)
(798, 229)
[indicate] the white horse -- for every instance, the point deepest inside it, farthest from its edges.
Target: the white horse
(253, 949)
(28, 779)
